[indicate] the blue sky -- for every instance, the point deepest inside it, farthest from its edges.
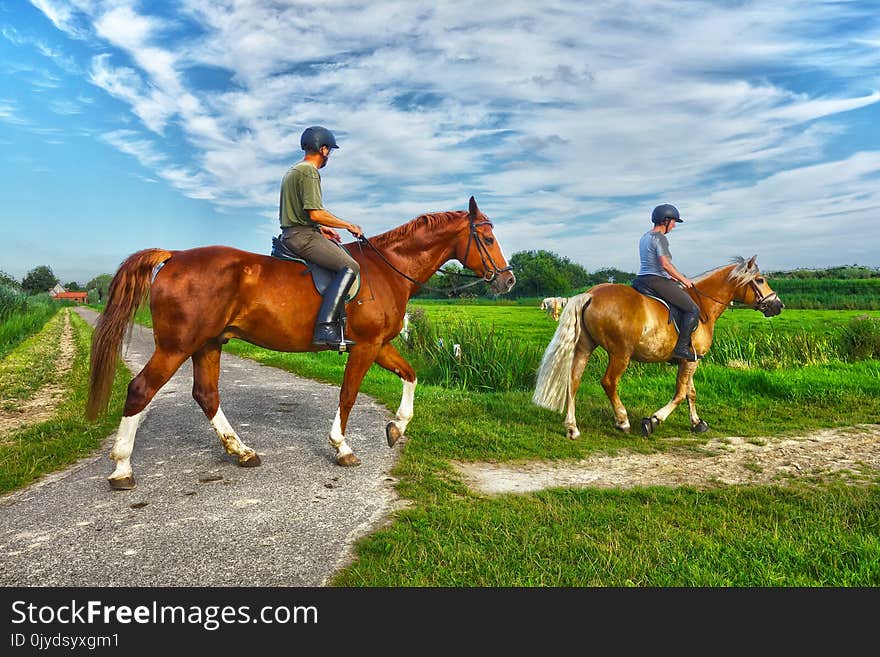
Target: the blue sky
(126, 125)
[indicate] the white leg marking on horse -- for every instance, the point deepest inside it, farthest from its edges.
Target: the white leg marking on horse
(664, 412)
(124, 444)
(405, 411)
(337, 439)
(231, 442)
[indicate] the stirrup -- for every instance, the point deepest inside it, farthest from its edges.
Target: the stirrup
(692, 355)
(325, 335)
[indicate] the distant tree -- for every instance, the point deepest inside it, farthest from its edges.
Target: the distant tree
(100, 284)
(610, 275)
(9, 281)
(545, 274)
(73, 286)
(39, 279)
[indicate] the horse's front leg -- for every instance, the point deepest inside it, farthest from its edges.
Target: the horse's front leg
(390, 359)
(683, 390)
(362, 356)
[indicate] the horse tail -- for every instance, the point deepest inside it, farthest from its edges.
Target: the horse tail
(128, 291)
(554, 374)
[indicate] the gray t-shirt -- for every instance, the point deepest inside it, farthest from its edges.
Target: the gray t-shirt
(652, 245)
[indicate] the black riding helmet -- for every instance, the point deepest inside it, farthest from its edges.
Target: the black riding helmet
(316, 136)
(662, 213)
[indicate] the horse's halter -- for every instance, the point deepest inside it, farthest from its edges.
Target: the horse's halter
(761, 301)
(489, 273)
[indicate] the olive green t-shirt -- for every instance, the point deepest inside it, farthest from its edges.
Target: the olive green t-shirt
(300, 191)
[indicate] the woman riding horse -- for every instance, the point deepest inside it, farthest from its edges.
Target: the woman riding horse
(632, 326)
(658, 276)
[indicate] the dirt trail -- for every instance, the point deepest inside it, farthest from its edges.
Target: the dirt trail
(849, 453)
(42, 405)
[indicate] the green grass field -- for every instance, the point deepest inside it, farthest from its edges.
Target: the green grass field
(797, 533)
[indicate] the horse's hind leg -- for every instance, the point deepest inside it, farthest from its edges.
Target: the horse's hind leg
(697, 425)
(683, 390)
(390, 359)
(141, 390)
(582, 352)
(206, 375)
(616, 367)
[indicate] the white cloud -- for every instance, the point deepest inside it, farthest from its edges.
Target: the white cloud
(566, 114)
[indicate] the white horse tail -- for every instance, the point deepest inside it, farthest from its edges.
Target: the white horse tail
(554, 374)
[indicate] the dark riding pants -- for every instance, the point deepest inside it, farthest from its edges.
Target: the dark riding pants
(671, 292)
(309, 244)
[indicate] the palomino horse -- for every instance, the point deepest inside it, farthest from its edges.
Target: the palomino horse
(631, 326)
(200, 298)
(553, 306)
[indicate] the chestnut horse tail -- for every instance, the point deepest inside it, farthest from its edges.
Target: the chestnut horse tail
(554, 374)
(128, 290)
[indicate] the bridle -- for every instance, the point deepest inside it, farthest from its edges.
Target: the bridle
(490, 269)
(761, 301)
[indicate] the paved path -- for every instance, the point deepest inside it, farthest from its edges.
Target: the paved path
(196, 518)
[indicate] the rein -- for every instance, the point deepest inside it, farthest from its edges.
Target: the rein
(485, 257)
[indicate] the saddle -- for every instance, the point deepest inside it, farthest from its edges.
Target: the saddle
(674, 313)
(321, 276)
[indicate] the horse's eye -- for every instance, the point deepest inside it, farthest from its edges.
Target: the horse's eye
(489, 240)
(759, 281)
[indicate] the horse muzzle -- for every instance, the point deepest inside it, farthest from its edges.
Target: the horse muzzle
(503, 282)
(770, 305)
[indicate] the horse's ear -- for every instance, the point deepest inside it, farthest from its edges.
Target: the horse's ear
(751, 263)
(472, 208)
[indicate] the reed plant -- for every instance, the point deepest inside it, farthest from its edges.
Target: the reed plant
(21, 316)
(469, 355)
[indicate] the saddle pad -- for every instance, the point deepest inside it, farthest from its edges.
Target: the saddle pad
(321, 276)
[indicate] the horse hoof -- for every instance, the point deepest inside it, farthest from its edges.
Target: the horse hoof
(648, 425)
(348, 460)
(700, 427)
(392, 433)
(573, 434)
(252, 461)
(125, 483)
(624, 429)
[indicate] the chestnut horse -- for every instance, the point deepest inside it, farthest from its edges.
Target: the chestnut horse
(200, 298)
(631, 326)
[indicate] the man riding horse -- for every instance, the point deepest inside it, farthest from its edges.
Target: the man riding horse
(307, 228)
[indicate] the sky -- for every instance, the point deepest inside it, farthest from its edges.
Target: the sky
(130, 124)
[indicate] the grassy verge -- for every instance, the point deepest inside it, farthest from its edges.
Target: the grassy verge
(799, 535)
(29, 453)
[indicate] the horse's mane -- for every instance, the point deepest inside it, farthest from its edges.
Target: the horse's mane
(432, 221)
(740, 274)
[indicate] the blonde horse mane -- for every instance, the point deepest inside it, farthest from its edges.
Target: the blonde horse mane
(743, 272)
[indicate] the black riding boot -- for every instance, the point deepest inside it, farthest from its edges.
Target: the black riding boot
(331, 314)
(683, 348)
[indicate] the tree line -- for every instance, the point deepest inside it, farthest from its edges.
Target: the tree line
(41, 279)
(539, 274)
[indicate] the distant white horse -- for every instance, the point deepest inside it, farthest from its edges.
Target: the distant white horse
(405, 331)
(553, 306)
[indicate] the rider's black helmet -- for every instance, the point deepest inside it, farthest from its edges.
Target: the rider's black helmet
(316, 136)
(663, 212)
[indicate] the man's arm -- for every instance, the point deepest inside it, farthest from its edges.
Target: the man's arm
(669, 268)
(326, 218)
